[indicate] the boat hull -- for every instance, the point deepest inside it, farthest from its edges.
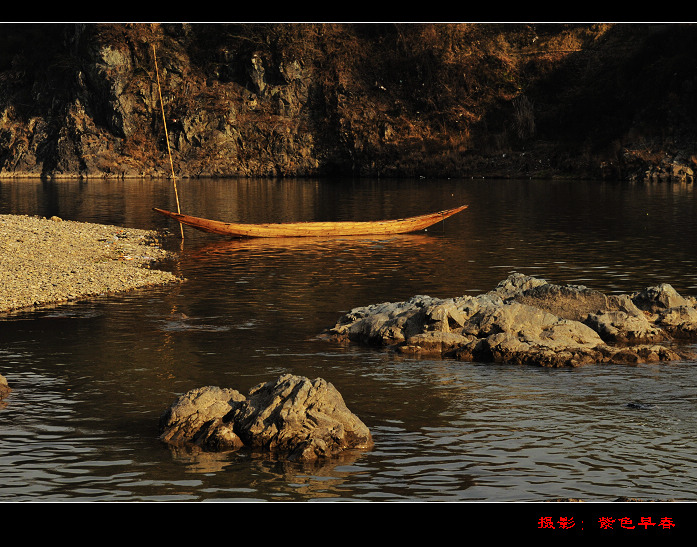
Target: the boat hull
(313, 229)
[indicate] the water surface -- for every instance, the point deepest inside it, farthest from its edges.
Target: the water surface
(90, 379)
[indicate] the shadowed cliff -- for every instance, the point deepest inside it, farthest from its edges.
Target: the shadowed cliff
(388, 100)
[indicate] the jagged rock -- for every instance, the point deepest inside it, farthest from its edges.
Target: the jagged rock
(624, 322)
(194, 416)
(515, 284)
(620, 327)
(526, 320)
(388, 322)
(306, 419)
(659, 298)
(679, 321)
(434, 342)
(293, 416)
(570, 302)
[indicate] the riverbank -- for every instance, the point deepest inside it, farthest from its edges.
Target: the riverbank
(52, 261)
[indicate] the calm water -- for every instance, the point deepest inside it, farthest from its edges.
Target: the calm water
(91, 379)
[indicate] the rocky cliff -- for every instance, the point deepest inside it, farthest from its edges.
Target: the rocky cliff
(287, 100)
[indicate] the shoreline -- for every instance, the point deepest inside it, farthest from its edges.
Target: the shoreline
(53, 261)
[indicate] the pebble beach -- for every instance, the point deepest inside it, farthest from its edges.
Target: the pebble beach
(45, 261)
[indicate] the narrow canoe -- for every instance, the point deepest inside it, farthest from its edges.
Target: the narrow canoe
(314, 229)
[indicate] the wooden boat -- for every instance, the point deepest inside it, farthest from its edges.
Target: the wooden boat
(314, 229)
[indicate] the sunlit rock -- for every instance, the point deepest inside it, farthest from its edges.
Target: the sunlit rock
(198, 417)
(526, 320)
(680, 321)
(659, 298)
(293, 417)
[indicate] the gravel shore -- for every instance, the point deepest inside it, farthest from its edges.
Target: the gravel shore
(50, 261)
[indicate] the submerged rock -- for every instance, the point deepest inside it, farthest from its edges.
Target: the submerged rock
(301, 419)
(527, 320)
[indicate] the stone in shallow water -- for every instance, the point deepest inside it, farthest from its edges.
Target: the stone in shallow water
(193, 416)
(297, 418)
(526, 320)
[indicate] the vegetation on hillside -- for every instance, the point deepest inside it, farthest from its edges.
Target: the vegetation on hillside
(380, 99)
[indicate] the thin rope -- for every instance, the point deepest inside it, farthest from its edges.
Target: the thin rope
(169, 151)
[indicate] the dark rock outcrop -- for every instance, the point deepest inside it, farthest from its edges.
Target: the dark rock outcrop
(294, 417)
(314, 99)
(526, 320)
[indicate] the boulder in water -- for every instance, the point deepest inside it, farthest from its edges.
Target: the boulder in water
(526, 320)
(294, 417)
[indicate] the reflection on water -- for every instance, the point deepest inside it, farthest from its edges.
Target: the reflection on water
(90, 379)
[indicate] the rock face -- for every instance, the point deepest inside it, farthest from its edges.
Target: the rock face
(326, 99)
(301, 419)
(526, 320)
